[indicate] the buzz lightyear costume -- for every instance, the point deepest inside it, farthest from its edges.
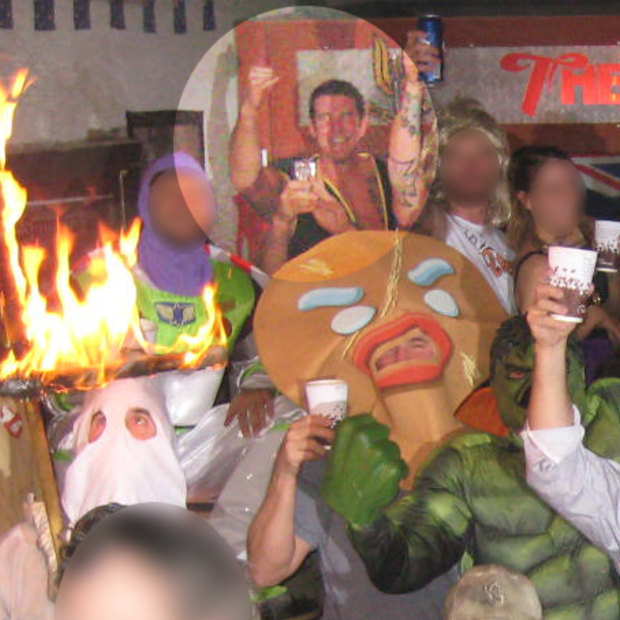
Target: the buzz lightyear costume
(170, 281)
(210, 452)
(170, 284)
(237, 288)
(184, 314)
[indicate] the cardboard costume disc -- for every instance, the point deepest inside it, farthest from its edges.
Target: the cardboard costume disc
(406, 320)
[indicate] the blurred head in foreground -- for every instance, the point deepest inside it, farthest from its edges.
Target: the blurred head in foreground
(493, 592)
(153, 562)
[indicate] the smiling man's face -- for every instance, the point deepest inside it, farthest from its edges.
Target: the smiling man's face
(337, 126)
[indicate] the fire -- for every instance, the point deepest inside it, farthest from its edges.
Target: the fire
(92, 328)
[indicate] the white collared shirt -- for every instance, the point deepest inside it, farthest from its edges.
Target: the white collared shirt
(581, 486)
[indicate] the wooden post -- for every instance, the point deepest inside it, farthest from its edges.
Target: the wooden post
(45, 470)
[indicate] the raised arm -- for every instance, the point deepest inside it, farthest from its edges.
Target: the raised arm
(550, 403)
(406, 544)
(580, 485)
(597, 317)
(411, 161)
(274, 550)
(244, 150)
(423, 55)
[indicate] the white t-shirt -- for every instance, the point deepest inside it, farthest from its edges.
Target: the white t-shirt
(487, 249)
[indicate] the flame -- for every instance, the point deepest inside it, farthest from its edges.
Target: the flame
(76, 332)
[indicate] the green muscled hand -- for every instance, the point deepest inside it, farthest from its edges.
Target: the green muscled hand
(364, 471)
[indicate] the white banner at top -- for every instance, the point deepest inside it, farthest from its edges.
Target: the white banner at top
(576, 84)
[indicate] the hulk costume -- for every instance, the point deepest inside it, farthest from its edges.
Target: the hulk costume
(472, 498)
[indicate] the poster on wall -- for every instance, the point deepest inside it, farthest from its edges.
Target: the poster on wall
(547, 84)
(305, 53)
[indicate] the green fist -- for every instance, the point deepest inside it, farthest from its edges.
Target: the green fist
(364, 471)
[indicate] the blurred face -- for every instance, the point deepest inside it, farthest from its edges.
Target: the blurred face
(175, 196)
(469, 168)
(556, 198)
(137, 421)
(118, 586)
(337, 126)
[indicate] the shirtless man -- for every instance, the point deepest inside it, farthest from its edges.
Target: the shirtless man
(352, 188)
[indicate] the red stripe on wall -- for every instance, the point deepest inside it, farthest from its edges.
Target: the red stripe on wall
(516, 31)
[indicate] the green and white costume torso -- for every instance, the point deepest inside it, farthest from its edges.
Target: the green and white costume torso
(178, 314)
(190, 394)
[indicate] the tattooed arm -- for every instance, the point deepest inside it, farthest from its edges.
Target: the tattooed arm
(412, 149)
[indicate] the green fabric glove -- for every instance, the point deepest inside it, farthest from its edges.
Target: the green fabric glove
(364, 471)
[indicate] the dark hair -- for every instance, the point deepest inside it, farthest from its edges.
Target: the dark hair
(525, 164)
(514, 332)
(79, 532)
(337, 87)
(199, 564)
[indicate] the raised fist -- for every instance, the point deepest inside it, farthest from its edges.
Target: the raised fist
(260, 82)
(364, 471)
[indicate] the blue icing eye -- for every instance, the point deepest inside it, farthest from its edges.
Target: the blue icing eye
(442, 302)
(351, 320)
(330, 296)
(429, 271)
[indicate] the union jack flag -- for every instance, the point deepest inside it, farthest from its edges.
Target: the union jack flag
(601, 173)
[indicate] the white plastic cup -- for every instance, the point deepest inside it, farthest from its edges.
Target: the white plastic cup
(305, 169)
(329, 398)
(607, 236)
(572, 270)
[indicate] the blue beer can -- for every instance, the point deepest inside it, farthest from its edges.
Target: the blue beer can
(432, 25)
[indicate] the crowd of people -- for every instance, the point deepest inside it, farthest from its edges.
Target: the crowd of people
(521, 523)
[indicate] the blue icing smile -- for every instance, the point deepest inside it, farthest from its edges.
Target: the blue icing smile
(330, 296)
(429, 271)
(442, 302)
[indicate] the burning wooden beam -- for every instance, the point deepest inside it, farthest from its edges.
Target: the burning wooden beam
(133, 365)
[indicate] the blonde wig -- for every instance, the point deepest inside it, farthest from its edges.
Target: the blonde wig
(464, 114)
